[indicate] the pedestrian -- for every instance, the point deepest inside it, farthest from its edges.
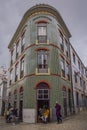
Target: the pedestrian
(7, 115)
(58, 112)
(40, 112)
(15, 115)
(45, 115)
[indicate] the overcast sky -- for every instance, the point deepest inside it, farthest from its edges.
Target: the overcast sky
(73, 12)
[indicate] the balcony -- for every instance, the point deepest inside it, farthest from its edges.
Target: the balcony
(42, 39)
(43, 71)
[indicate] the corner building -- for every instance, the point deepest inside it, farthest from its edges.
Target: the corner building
(39, 72)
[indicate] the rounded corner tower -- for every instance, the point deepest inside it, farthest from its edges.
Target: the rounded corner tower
(39, 71)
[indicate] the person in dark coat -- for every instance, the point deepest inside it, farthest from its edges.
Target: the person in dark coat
(58, 112)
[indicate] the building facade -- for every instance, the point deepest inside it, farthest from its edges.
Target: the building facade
(3, 89)
(79, 81)
(39, 70)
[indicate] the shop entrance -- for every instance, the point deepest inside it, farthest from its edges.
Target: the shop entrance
(42, 99)
(20, 110)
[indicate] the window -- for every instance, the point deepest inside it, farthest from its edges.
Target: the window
(74, 58)
(42, 62)
(9, 97)
(70, 100)
(15, 95)
(80, 81)
(42, 94)
(15, 98)
(64, 94)
(16, 72)
(82, 70)
(63, 67)
(75, 77)
(61, 41)
(68, 71)
(21, 94)
(79, 64)
(42, 33)
(22, 67)
(17, 49)
(22, 41)
(77, 99)
(11, 77)
(11, 58)
(67, 48)
(84, 85)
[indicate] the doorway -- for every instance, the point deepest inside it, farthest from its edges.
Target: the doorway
(42, 99)
(21, 104)
(20, 110)
(64, 92)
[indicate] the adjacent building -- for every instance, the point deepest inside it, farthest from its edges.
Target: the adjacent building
(79, 81)
(3, 89)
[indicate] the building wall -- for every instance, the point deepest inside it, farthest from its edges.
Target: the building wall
(56, 82)
(79, 86)
(3, 88)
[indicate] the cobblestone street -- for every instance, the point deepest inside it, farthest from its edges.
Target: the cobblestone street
(76, 122)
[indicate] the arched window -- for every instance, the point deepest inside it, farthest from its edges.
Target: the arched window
(70, 100)
(9, 97)
(64, 92)
(42, 91)
(21, 94)
(15, 95)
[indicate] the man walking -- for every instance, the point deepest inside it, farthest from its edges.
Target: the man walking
(58, 112)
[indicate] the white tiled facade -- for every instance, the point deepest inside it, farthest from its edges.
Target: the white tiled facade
(79, 82)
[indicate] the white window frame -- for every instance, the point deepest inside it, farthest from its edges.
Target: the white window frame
(42, 94)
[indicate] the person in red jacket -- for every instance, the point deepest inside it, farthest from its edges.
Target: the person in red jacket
(58, 112)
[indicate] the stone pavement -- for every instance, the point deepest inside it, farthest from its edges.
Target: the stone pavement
(75, 122)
